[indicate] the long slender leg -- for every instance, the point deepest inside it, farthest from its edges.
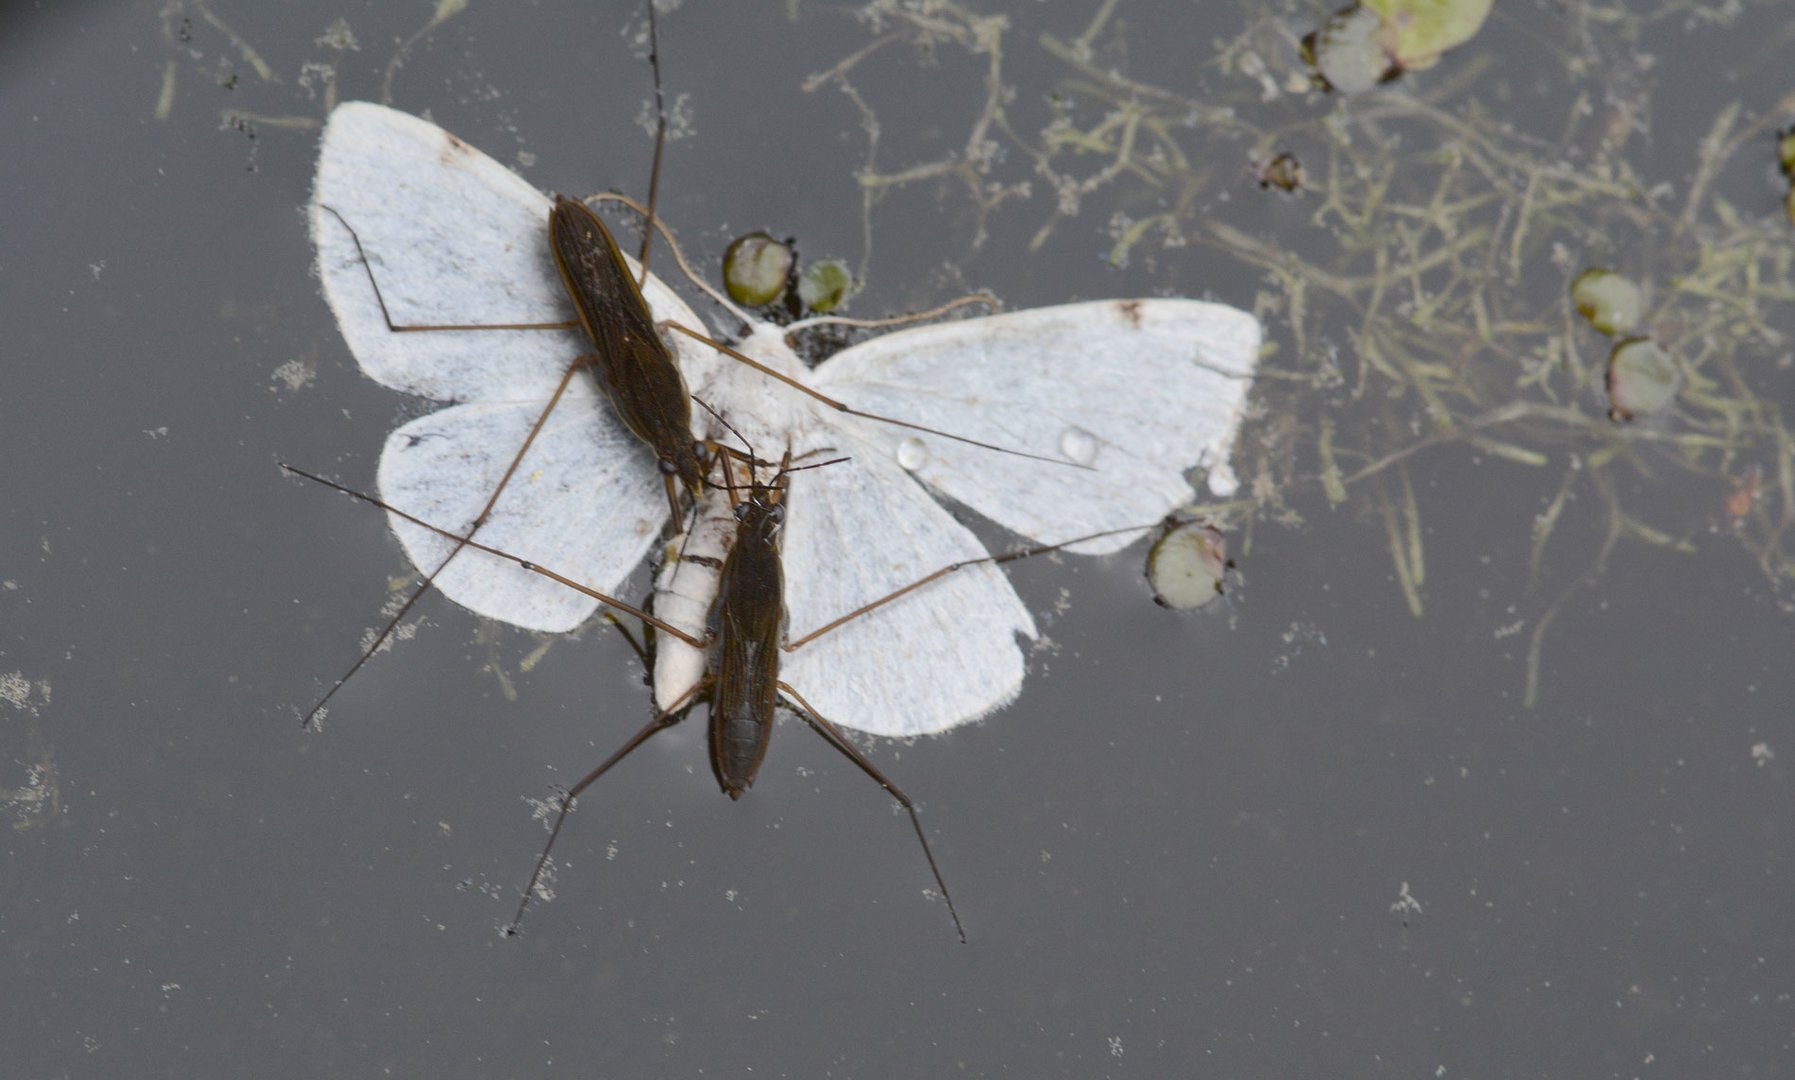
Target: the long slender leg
(469, 542)
(462, 541)
(662, 721)
(834, 738)
(660, 142)
(1008, 556)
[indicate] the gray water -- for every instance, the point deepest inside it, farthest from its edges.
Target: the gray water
(1311, 834)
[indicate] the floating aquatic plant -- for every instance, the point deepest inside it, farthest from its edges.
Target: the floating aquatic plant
(1427, 300)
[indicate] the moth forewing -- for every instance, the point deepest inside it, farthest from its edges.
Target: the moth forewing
(450, 237)
(495, 234)
(1140, 391)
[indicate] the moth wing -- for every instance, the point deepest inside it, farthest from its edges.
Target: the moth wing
(453, 237)
(936, 658)
(1138, 390)
(586, 502)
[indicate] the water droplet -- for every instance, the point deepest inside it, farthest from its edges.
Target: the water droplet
(1079, 445)
(912, 454)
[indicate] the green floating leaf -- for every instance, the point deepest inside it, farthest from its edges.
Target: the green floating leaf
(1611, 303)
(825, 286)
(1187, 566)
(1415, 32)
(1642, 378)
(755, 269)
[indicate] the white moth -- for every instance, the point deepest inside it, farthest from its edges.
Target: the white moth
(1138, 391)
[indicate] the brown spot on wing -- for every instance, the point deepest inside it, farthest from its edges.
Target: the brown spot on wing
(1131, 310)
(452, 147)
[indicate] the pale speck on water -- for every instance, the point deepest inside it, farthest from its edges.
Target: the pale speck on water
(1405, 903)
(294, 375)
(19, 691)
